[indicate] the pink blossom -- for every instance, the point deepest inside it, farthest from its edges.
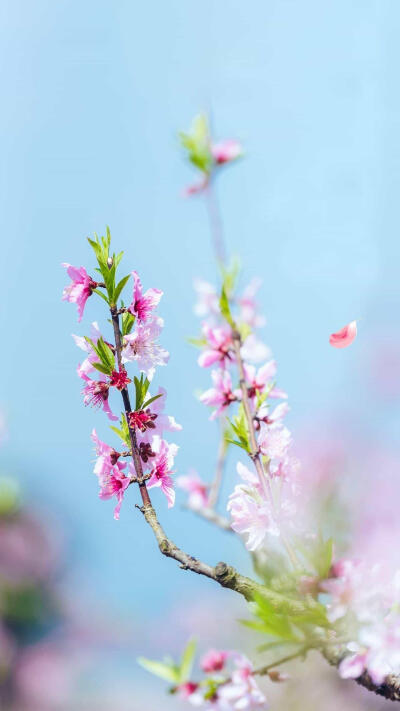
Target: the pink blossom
(221, 395)
(162, 468)
(92, 357)
(250, 509)
(263, 414)
(241, 693)
(95, 393)
(219, 345)
(114, 483)
(207, 299)
(345, 336)
(226, 151)
(257, 380)
(274, 441)
(248, 305)
(196, 488)
(213, 661)
(142, 346)
(81, 287)
(143, 305)
(187, 689)
(107, 457)
(253, 350)
(163, 423)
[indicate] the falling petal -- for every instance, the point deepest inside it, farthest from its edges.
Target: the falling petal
(345, 336)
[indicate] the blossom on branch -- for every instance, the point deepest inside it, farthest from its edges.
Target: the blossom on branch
(161, 468)
(142, 347)
(81, 287)
(143, 305)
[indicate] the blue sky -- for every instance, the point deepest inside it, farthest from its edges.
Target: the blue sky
(93, 95)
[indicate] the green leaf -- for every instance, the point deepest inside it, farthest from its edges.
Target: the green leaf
(148, 402)
(100, 293)
(120, 286)
(102, 368)
(123, 433)
(141, 388)
(127, 322)
(187, 661)
(198, 342)
(167, 672)
(225, 308)
(197, 143)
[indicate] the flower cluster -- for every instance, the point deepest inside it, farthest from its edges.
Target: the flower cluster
(104, 371)
(264, 502)
(364, 607)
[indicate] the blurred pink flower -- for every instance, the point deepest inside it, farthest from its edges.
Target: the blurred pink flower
(221, 395)
(213, 660)
(226, 151)
(219, 345)
(161, 467)
(196, 488)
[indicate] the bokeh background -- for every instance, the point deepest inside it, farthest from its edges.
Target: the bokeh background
(93, 95)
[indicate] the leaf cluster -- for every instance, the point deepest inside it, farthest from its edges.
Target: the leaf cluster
(108, 265)
(106, 362)
(174, 672)
(197, 144)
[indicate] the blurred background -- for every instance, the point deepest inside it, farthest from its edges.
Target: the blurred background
(93, 95)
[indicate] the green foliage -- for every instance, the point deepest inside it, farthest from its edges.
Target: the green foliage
(175, 673)
(107, 267)
(141, 388)
(239, 429)
(10, 497)
(123, 432)
(106, 362)
(226, 309)
(230, 276)
(127, 322)
(197, 144)
(198, 342)
(318, 554)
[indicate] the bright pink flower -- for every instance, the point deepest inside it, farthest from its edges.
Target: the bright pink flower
(213, 661)
(187, 689)
(80, 289)
(119, 379)
(142, 420)
(143, 305)
(142, 347)
(219, 346)
(221, 395)
(162, 468)
(226, 151)
(107, 457)
(345, 336)
(114, 483)
(95, 393)
(197, 489)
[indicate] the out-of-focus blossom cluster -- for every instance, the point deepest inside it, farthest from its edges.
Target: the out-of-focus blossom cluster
(205, 154)
(258, 506)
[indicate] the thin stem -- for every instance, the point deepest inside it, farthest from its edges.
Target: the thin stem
(215, 220)
(265, 669)
(219, 473)
(212, 516)
(127, 405)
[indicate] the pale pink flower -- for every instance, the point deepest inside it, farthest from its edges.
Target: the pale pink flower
(219, 345)
(241, 693)
(213, 661)
(250, 509)
(195, 188)
(114, 483)
(207, 299)
(197, 489)
(81, 287)
(345, 336)
(142, 347)
(248, 305)
(143, 305)
(107, 457)
(161, 467)
(187, 689)
(253, 350)
(163, 423)
(221, 395)
(82, 343)
(274, 441)
(95, 393)
(263, 414)
(226, 151)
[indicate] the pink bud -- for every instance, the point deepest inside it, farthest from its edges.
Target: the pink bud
(345, 336)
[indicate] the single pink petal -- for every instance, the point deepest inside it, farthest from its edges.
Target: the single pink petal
(345, 336)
